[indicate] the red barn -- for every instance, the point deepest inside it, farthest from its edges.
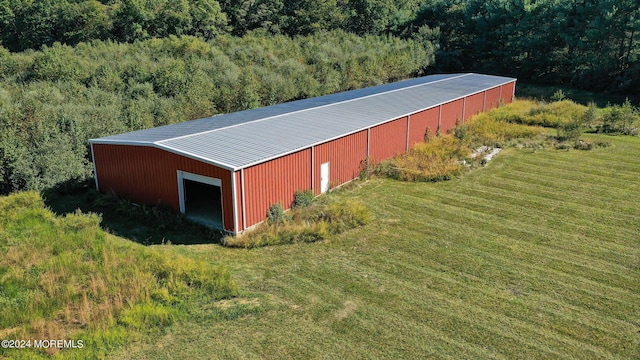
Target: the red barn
(225, 171)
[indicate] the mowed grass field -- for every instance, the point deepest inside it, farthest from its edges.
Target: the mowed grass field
(535, 256)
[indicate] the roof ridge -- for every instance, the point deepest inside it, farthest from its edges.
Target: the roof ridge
(161, 142)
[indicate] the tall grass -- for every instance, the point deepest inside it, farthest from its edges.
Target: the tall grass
(520, 123)
(486, 129)
(62, 277)
(530, 112)
(314, 221)
(442, 157)
(436, 159)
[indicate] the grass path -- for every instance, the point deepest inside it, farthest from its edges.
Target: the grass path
(535, 256)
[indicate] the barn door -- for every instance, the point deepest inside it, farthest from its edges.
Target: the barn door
(324, 177)
(200, 199)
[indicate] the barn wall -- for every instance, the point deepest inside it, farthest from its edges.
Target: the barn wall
(238, 180)
(493, 98)
(419, 123)
(149, 175)
(473, 105)
(451, 114)
(507, 92)
(388, 139)
(275, 181)
(344, 155)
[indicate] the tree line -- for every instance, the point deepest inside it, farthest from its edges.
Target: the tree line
(53, 100)
(590, 44)
(30, 24)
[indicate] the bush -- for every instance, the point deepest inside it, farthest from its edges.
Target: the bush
(302, 199)
(312, 223)
(275, 214)
(621, 119)
(571, 131)
(583, 145)
(559, 95)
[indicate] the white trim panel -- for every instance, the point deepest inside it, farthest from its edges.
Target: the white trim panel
(183, 175)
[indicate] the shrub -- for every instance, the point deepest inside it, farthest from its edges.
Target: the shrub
(622, 119)
(590, 116)
(460, 132)
(276, 215)
(313, 223)
(367, 168)
(302, 199)
(583, 145)
(346, 215)
(571, 131)
(559, 95)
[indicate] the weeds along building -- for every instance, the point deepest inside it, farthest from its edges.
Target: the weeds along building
(225, 171)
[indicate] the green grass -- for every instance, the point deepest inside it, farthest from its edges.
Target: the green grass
(63, 278)
(535, 256)
(144, 224)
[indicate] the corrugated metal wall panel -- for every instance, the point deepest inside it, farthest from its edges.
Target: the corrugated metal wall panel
(420, 122)
(451, 114)
(275, 181)
(507, 92)
(473, 105)
(344, 155)
(238, 199)
(388, 139)
(493, 98)
(148, 175)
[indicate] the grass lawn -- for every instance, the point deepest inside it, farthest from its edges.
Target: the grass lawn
(535, 256)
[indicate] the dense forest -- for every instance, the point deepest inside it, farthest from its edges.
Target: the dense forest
(53, 100)
(71, 70)
(592, 44)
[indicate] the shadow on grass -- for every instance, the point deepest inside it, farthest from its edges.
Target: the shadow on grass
(144, 224)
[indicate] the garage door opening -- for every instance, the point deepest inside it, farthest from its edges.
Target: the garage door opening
(201, 200)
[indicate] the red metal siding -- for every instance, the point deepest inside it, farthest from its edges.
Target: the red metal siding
(451, 114)
(507, 92)
(419, 123)
(275, 181)
(344, 155)
(473, 105)
(238, 180)
(149, 175)
(388, 139)
(493, 98)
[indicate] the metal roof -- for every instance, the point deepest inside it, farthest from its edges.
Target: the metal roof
(245, 138)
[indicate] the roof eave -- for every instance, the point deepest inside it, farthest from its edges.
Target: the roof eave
(165, 148)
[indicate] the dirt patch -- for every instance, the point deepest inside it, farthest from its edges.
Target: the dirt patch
(227, 304)
(347, 309)
(5, 333)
